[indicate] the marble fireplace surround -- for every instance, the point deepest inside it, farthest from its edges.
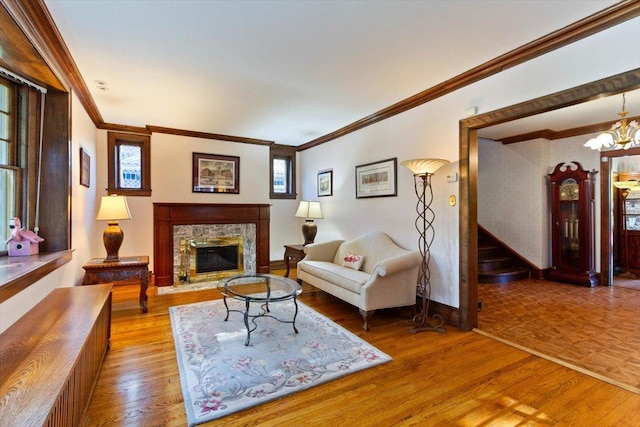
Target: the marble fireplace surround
(168, 215)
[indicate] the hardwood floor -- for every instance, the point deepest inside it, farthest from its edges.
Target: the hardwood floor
(453, 379)
(596, 329)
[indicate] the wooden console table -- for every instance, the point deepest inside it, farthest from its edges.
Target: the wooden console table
(292, 252)
(127, 268)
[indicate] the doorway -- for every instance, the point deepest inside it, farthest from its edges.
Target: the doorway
(624, 220)
(468, 286)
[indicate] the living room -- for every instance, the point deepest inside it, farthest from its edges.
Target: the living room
(431, 130)
(345, 216)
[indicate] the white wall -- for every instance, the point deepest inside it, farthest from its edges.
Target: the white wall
(432, 130)
(171, 182)
(513, 191)
(83, 224)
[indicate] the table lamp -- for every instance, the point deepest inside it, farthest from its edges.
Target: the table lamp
(309, 211)
(112, 209)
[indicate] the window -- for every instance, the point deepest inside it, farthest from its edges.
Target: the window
(282, 168)
(11, 157)
(129, 164)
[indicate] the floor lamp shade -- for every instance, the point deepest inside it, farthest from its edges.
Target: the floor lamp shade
(113, 209)
(309, 211)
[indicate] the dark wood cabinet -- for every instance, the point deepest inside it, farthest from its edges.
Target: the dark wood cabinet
(572, 225)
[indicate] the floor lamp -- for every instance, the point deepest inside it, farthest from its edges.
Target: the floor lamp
(625, 187)
(423, 170)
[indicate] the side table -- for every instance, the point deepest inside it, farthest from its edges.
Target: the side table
(127, 268)
(292, 252)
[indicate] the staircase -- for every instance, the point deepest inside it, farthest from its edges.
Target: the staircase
(496, 262)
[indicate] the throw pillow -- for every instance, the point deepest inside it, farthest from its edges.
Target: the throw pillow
(353, 261)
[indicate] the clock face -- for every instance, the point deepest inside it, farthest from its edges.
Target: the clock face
(569, 190)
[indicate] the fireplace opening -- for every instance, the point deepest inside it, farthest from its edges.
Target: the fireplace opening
(216, 258)
(210, 258)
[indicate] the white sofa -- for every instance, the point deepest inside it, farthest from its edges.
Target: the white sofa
(387, 278)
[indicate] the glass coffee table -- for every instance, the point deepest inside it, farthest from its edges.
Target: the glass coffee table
(260, 289)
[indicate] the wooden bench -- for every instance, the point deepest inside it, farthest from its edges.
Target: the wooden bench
(51, 357)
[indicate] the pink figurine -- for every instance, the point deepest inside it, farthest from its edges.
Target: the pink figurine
(18, 234)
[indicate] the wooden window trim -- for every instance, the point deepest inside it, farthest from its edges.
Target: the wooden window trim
(144, 142)
(283, 151)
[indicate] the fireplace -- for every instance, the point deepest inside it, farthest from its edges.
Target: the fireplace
(206, 259)
(215, 257)
(174, 222)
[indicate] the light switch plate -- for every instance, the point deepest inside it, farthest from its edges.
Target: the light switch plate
(452, 177)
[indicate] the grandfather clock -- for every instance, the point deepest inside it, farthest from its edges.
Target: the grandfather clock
(572, 225)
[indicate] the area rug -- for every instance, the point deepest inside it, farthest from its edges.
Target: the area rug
(220, 375)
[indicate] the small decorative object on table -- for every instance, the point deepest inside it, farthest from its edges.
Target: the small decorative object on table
(22, 242)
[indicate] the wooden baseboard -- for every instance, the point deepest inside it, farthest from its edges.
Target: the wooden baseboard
(451, 315)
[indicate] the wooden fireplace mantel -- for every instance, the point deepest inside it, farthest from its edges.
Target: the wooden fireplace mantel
(166, 215)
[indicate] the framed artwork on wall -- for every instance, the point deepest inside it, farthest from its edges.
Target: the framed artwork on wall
(325, 183)
(85, 168)
(215, 173)
(377, 179)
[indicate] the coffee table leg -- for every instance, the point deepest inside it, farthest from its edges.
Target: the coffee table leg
(224, 299)
(295, 314)
(246, 321)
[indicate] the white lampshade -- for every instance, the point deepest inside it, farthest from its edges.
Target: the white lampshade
(113, 208)
(309, 210)
(424, 166)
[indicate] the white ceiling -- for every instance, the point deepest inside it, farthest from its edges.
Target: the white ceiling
(287, 71)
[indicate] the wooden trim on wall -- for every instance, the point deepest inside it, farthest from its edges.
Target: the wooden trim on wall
(207, 135)
(34, 19)
(565, 133)
(590, 25)
(124, 128)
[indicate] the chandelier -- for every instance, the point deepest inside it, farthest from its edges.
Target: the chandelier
(621, 135)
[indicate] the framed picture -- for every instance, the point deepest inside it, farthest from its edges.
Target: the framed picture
(85, 168)
(377, 179)
(325, 183)
(215, 173)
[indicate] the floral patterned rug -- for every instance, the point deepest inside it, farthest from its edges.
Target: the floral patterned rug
(220, 375)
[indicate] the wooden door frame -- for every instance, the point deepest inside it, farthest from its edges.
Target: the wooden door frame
(468, 285)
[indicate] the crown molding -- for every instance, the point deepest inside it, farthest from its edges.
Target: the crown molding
(560, 134)
(588, 26)
(36, 22)
(207, 135)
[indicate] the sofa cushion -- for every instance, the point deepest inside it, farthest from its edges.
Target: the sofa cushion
(344, 277)
(353, 261)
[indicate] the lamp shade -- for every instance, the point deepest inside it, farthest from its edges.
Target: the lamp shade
(628, 185)
(113, 208)
(309, 210)
(424, 166)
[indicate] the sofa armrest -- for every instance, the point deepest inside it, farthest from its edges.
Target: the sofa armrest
(322, 251)
(397, 263)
